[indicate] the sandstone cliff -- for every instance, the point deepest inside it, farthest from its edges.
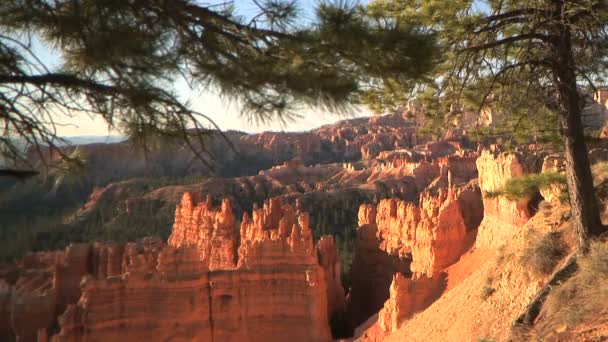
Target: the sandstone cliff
(202, 286)
(211, 231)
(503, 216)
(415, 241)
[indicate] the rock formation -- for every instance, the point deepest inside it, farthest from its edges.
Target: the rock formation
(503, 216)
(202, 286)
(328, 259)
(417, 205)
(554, 193)
(406, 297)
(211, 231)
(412, 241)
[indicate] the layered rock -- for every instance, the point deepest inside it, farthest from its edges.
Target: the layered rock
(211, 231)
(169, 303)
(366, 138)
(46, 283)
(199, 287)
(415, 241)
(502, 216)
(554, 193)
(406, 297)
(433, 233)
(329, 261)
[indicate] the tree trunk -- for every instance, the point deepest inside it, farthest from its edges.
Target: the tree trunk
(585, 210)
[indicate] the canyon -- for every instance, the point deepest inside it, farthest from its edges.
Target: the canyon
(366, 230)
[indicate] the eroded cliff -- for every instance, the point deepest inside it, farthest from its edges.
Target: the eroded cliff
(409, 243)
(207, 284)
(503, 216)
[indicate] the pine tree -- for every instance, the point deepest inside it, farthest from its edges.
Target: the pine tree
(522, 58)
(118, 60)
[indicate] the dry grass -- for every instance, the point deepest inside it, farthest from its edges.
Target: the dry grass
(485, 339)
(586, 292)
(542, 255)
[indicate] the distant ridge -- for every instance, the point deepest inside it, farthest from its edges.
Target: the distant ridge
(92, 139)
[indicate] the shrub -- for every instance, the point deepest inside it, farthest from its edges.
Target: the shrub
(487, 291)
(502, 256)
(575, 315)
(527, 186)
(542, 256)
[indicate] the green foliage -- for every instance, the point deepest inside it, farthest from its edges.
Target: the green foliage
(339, 219)
(527, 186)
(37, 215)
(33, 206)
(118, 61)
(358, 35)
(542, 255)
(497, 58)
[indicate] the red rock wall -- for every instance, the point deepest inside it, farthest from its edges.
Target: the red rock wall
(329, 261)
(212, 231)
(406, 297)
(46, 283)
(169, 304)
(278, 287)
(416, 241)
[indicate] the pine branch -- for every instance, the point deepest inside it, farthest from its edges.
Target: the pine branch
(511, 40)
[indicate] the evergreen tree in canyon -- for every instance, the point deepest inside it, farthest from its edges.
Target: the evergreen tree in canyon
(119, 60)
(525, 59)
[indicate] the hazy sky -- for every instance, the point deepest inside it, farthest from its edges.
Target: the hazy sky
(224, 113)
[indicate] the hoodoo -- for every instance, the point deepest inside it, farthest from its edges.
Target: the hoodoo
(204, 285)
(408, 246)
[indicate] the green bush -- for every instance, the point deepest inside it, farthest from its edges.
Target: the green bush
(527, 186)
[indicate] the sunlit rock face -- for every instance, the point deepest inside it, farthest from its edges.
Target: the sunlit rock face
(408, 245)
(203, 286)
(502, 216)
(406, 297)
(404, 246)
(211, 230)
(554, 193)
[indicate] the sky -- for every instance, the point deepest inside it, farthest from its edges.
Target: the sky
(224, 113)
